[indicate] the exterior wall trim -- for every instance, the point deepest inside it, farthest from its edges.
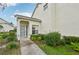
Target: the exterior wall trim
(35, 9)
(27, 18)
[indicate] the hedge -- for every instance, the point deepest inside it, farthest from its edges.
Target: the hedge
(53, 39)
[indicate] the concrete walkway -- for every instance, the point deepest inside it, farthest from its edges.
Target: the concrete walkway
(30, 48)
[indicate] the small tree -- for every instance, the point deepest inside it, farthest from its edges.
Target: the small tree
(1, 27)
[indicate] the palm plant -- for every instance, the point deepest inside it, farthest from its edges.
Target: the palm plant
(3, 6)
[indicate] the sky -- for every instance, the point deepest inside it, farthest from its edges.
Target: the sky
(25, 9)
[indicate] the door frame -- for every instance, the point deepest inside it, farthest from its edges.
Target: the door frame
(24, 29)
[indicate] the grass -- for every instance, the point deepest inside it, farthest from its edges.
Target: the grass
(59, 50)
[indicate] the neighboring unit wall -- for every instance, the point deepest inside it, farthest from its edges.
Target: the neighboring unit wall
(6, 27)
(46, 16)
(60, 17)
(68, 18)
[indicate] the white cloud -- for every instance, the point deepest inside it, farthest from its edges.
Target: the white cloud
(24, 13)
(21, 13)
(11, 4)
(12, 16)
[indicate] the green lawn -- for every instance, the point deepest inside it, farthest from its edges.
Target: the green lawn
(59, 50)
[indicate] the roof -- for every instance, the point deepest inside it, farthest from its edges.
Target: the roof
(35, 9)
(27, 18)
(6, 22)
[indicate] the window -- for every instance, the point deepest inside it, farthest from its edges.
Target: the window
(45, 6)
(35, 29)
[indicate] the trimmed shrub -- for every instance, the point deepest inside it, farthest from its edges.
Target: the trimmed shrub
(34, 37)
(13, 30)
(11, 36)
(37, 37)
(53, 39)
(42, 36)
(62, 42)
(69, 39)
(1, 39)
(12, 45)
(75, 46)
(5, 36)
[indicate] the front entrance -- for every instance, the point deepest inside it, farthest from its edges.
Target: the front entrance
(23, 30)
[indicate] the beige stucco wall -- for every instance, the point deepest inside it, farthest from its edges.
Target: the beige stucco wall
(62, 17)
(68, 18)
(6, 27)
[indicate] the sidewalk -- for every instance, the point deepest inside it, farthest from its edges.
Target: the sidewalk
(30, 48)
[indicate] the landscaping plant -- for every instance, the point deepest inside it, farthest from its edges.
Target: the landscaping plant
(12, 36)
(1, 40)
(34, 37)
(69, 39)
(37, 37)
(75, 46)
(12, 45)
(53, 39)
(54, 43)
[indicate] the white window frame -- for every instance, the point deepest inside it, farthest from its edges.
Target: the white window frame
(36, 29)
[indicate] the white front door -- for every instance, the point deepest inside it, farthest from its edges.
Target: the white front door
(22, 31)
(26, 29)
